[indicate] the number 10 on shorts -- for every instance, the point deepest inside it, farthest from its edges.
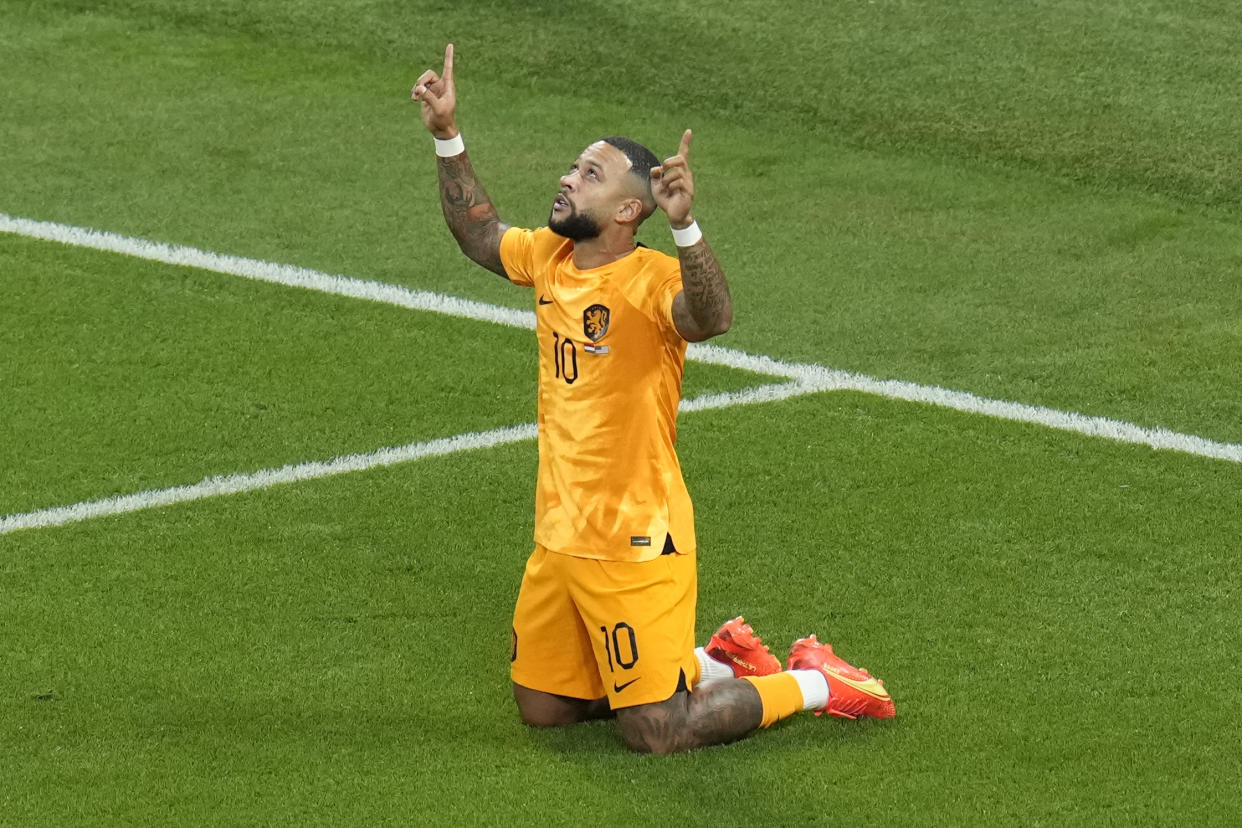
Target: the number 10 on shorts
(621, 645)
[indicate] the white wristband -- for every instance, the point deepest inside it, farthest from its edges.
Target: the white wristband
(448, 147)
(687, 236)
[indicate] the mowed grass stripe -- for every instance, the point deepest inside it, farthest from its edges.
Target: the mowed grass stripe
(124, 376)
(815, 377)
(252, 654)
(920, 267)
(219, 485)
(294, 276)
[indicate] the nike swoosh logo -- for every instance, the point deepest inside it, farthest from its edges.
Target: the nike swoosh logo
(871, 686)
(543, 301)
(617, 688)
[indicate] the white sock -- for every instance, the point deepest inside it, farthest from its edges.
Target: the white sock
(710, 669)
(814, 688)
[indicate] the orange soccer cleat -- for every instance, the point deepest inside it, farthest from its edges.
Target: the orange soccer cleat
(736, 645)
(852, 691)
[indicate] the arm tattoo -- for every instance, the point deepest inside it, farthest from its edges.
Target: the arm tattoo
(469, 213)
(705, 308)
(724, 712)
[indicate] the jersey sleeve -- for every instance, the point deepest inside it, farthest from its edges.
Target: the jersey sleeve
(652, 288)
(664, 291)
(517, 254)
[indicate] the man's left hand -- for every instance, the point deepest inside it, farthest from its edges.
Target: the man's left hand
(672, 185)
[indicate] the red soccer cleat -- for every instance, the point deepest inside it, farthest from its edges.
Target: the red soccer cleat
(736, 645)
(852, 692)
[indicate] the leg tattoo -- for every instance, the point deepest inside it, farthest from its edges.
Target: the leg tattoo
(723, 712)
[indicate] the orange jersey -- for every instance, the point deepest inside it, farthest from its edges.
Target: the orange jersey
(610, 369)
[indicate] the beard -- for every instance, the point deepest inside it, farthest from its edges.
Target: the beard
(575, 226)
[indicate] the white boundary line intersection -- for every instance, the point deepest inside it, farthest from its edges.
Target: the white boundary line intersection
(806, 379)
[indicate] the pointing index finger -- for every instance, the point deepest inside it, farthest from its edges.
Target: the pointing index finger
(684, 149)
(448, 63)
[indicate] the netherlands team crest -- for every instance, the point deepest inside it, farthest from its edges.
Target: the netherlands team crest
(595, 322)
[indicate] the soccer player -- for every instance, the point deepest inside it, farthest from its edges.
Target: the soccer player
(604, 622)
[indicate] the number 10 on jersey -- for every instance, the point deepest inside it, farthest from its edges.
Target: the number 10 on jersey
(565, 355)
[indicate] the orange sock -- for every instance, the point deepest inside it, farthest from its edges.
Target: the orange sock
(781, 696)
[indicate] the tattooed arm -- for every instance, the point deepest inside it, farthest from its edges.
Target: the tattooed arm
(468, 210)
(704, 308)
(469, 213)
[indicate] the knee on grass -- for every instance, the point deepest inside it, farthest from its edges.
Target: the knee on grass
(539, 709)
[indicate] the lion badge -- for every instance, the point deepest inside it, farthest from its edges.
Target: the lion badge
(595, 322)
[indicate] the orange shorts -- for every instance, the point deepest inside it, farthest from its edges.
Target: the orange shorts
(587, 628)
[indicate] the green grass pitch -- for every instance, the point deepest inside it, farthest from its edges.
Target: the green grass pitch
(1029, 201)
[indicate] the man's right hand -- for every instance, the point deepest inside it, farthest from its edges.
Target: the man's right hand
(437, 98)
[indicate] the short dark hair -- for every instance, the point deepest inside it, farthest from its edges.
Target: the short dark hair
(641, 161)
(641, 158)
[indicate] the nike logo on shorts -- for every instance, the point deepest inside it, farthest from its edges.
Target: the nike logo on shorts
(617, 688)
(544, 301)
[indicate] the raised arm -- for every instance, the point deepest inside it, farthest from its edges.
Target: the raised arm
(704, 308)
(468, 210)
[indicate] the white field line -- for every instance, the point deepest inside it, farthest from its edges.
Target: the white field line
(253, 481)
(236, 483)
(825, 379)
(262, 271)
(808, 378)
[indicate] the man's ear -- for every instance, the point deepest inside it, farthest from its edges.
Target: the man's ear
(631, 210)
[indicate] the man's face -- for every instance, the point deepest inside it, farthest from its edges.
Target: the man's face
(591, 192)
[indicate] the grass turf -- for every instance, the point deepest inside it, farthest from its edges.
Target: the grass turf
(234, 375)
(335, 656)
(994, 280)
(1034, 201)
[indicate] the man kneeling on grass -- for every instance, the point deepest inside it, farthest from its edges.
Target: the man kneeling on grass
(604, 623)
